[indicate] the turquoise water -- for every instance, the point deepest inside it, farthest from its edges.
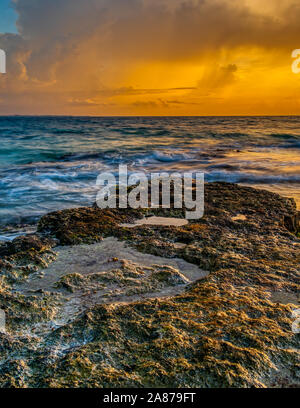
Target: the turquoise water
(50, 163)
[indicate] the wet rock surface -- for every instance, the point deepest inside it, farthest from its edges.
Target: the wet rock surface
(230, 327)
(88, 275)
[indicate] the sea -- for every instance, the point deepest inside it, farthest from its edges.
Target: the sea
(51, 163)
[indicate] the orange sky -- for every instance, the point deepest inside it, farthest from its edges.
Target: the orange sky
(152, 57)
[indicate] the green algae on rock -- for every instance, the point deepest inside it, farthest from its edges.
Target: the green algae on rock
(230, 329)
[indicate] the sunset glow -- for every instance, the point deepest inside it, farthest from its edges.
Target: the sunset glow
(134, 57)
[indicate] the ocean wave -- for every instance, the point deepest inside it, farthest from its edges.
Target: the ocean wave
(250, 178)
(52, 163)
(284, 136)
(292, 145)
(80, 156)
(166, 157)
(69, 131)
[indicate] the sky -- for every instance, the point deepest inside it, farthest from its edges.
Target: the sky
(149, 57)
(8, 17)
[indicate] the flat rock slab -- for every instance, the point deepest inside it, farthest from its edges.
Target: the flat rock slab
(109, 272)
(158, 221)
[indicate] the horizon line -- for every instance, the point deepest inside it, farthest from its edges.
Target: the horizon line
(148, 116)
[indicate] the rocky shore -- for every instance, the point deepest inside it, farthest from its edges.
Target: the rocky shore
(90, 302)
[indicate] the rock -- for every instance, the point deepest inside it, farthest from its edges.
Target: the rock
(83, 225)
(25, 244)
(292, 222)
(169, 276)
(223, 331)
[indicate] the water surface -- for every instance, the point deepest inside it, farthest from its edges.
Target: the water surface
(50, 163)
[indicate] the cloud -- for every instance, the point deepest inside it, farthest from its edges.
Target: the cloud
(89, 49)
(132, 91)
(145, 104)
(218, 77)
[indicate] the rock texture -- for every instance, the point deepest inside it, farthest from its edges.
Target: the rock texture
(231, 329)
